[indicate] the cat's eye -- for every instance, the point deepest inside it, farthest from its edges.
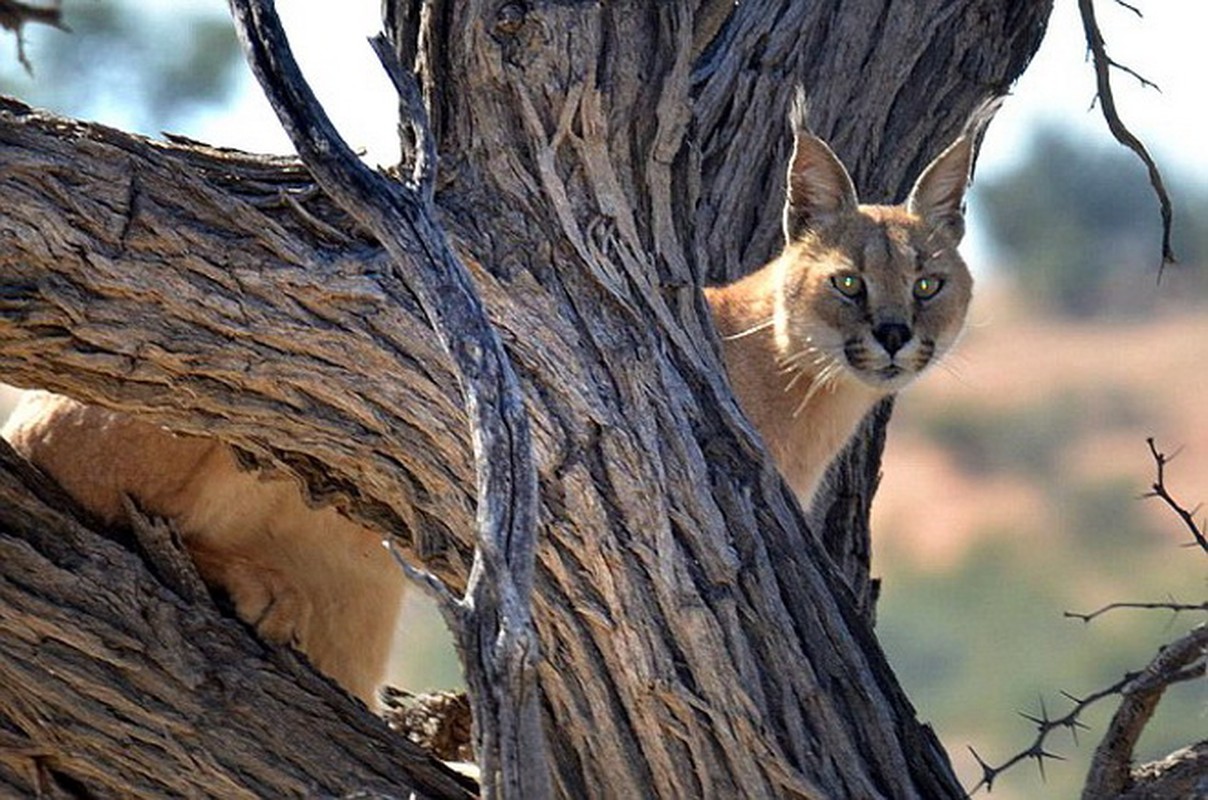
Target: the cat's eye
(849, 285)
(926, 288)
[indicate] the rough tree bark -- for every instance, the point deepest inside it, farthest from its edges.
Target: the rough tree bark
(597, 163)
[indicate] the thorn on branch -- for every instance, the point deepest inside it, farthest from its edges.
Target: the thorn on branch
(989, 773)
(1103, 65)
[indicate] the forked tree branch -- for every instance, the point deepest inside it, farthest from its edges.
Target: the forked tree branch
(1111, 768)
(1107, 101)
(1178, 661)
(493, 625)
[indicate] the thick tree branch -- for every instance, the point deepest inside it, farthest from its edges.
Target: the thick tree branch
(243, 336)
(495, 636)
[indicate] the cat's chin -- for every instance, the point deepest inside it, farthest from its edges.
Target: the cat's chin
(886, 380)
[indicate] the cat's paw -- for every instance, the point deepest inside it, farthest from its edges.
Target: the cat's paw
(264, 598)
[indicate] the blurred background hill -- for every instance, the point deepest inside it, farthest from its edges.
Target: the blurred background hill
(1013, 474)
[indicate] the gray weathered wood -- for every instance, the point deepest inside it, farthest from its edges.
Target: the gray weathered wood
(492, 626)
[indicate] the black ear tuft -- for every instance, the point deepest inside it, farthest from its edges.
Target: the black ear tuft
(938, 195)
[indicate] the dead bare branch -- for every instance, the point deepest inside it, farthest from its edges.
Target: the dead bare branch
(1183, 659)
(1107, 102)
(14, 15)
(1169, 606)
(495, 634)
(1159, 490)
(1110, 774)
(413, 114)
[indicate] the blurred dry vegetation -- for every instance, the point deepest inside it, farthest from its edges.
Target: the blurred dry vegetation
(1014, 476)
(1013, 473)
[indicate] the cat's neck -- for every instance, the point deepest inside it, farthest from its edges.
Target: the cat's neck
(804, 418)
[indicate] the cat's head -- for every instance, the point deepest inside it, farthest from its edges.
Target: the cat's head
(875, 293)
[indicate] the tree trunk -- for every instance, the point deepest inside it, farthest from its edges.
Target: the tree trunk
(597, 163)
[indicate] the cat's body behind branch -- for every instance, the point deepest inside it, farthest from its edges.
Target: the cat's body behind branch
(303, 576)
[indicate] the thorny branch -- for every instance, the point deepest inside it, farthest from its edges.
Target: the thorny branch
(1103, 65)
(1158, 489)
(1169, 606)
(1181, 660)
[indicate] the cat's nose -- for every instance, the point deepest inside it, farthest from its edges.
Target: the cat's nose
(892, 336)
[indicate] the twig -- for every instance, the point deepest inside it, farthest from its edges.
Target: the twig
(1158, 489)
(496, 637)
(14, 15)
(1044, 726)
(1103, 66)
(1170, 606)
(1183, 659)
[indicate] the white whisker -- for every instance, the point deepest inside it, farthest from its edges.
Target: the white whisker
(754, 329)
(828, 377)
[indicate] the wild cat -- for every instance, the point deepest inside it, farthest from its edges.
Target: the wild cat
(862, 299)
(307, 577)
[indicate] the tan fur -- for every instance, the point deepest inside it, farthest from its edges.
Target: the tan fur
(803, 358)
(306, 577)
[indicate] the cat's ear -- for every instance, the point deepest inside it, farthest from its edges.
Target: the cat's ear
(819, 188)
(938, 195)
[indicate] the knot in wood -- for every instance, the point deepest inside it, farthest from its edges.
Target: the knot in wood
(509, 19)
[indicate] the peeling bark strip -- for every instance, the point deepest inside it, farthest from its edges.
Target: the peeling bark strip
(597, 161)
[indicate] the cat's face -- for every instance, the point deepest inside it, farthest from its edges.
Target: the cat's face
(875, 293)
(878, 294)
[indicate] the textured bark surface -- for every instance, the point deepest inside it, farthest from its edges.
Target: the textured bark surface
(115, 685)
(598, 161)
